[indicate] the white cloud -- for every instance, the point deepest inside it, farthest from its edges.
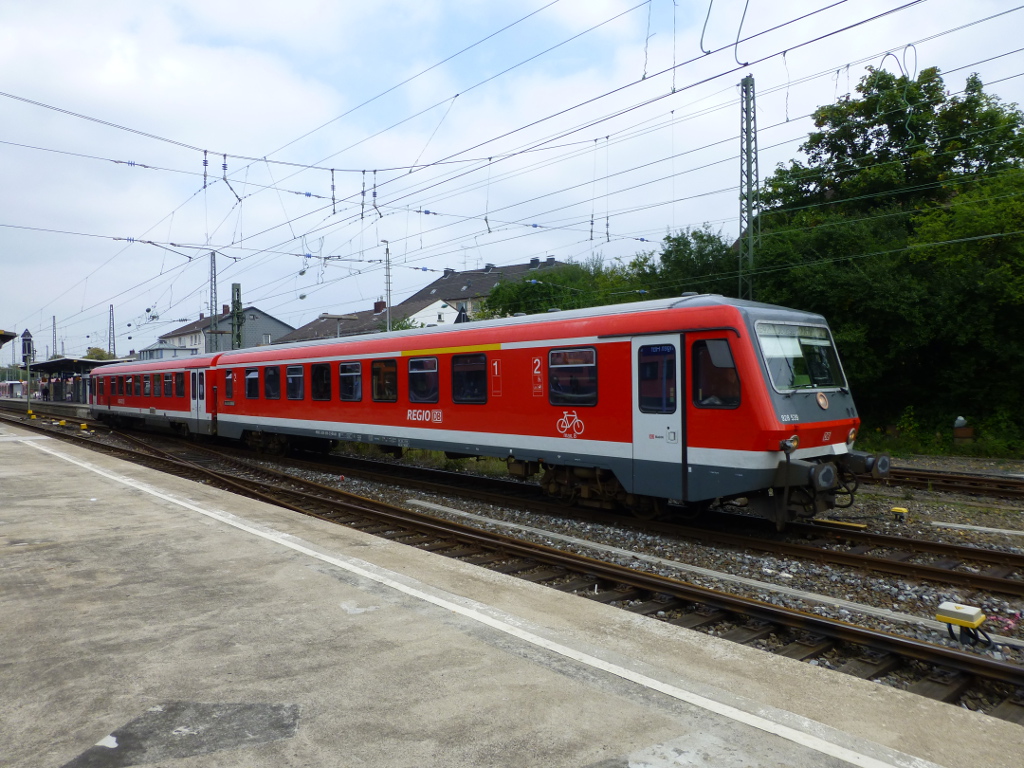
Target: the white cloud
(250, 77)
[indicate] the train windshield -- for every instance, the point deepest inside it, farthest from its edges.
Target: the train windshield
(800, 356)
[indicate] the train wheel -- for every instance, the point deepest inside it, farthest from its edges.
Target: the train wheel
(646, 507)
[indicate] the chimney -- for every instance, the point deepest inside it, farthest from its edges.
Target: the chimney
(551, 261)
(226, 308)
(201, 315)
(379, 306)
(488, 268)
(447, 271)
(534, 262)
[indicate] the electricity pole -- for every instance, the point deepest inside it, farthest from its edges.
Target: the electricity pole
(387, 279)
(750, 201)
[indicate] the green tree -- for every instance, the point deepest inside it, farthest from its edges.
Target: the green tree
(567, 286)
(896, 228)
(695, 259)
(96, 353)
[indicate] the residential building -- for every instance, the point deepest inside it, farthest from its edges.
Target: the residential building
(258, 329)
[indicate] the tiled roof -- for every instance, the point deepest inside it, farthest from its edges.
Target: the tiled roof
(451, 288)
(328, 326)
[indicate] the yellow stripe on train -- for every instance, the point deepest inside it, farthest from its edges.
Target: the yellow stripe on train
(451, 350)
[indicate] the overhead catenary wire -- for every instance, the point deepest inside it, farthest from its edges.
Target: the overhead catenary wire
(333, 201)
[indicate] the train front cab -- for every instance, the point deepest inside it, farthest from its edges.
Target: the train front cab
(759, 412)
(695, 416)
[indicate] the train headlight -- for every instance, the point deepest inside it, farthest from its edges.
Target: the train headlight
(851, 437)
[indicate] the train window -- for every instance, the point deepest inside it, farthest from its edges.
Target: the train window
(572, 376)
(120, 385)
(145, 385)
(384, 380)
(179, 384)
(157, 381)
(229, 385)
(800, 356)
(423, 386)
(350, 382)
(715, 382)
(168, 384)
(193, 389)
(295, 387)
(202, 385)
(272, 382)
(320, 381)
(128, 384)
(656, 378)
(252, 383)
(138, 385)
(469, 378)
(99, 385)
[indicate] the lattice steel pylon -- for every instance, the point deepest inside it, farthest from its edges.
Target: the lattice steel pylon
(111, 343)
(213, 345)
(750, 196)
(237, 316)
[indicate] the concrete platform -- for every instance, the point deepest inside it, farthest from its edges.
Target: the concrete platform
(148, 620)
(65, 409)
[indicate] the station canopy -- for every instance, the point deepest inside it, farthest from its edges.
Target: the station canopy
(6, 336)
(71, 366)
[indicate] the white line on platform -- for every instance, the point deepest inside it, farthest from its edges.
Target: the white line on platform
(477, 612)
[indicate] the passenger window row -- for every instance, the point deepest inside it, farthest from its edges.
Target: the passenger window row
(144, 385)
(469, 380)
(572, 379)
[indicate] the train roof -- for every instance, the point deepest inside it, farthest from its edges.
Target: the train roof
(695, 301)
(750, 309)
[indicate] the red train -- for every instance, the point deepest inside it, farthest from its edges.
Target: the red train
(647, 406)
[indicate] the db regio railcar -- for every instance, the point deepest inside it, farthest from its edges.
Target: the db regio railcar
(657, 407)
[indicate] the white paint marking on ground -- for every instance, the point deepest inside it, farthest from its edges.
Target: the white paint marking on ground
(811, 597)
(22, 439)
(481, 614)
(107, 741)
(981, 528)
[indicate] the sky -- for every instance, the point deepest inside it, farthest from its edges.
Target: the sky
(138, 138)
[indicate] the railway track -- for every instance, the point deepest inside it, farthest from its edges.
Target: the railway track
(868, 653)
(954, 564)
(947, 482)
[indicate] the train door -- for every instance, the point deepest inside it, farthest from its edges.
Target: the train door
(659, 438)
(198, 399)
